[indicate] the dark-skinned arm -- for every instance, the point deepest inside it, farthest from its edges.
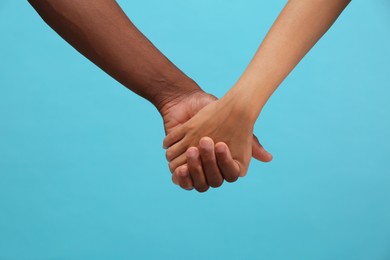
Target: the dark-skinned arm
(102, 32)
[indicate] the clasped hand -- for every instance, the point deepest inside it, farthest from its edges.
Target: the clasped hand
(209, 141)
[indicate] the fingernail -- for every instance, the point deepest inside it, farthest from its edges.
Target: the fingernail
(220, 149)
(191, 152)
(205, 143)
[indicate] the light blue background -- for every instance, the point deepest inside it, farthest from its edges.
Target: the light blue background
(83, 174)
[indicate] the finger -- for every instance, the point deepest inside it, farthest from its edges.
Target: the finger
(178, 178)
(258, 151)
(195, 169)
(183, 177)
(227, 166)
(175, 179)
(178, 161)
(209, 163)
(175, 150)
(173, 137)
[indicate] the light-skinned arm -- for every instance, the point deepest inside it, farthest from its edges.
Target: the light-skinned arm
(230, 120)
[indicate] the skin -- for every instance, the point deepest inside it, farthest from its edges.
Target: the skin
(180, 111)
(230, 120)
(101, 31)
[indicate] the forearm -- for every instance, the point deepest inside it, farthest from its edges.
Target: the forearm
(101, 31)
(299, 26)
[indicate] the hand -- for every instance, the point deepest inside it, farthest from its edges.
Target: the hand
(177, 112)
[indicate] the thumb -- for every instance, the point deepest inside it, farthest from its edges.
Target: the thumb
(258, 151)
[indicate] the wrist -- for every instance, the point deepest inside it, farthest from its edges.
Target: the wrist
(240, 106)
(247, 102)
(172, 91)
